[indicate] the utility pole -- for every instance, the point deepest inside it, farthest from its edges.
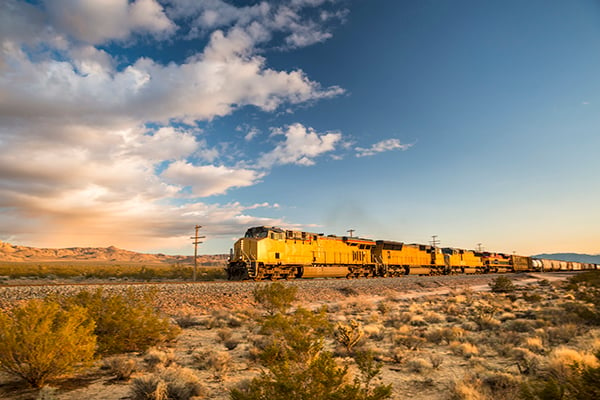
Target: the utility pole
(479, 248)
(351, 231)
(434, 241)
(196, 242)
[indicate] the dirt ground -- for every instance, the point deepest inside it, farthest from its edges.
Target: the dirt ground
(400, 326)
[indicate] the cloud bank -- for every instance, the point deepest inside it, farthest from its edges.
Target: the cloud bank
(97, 145)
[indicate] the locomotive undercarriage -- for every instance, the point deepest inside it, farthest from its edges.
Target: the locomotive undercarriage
(259, 271)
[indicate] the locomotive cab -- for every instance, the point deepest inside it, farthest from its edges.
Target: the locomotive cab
(248, 251)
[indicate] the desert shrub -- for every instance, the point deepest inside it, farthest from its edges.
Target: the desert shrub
(562, 334)
(120, 366)
(173, 383)
(532, 297)
(418, 320)
(40, 340)
(217, 362)
(501, 385)
(587, 313)
(125, 323)
(502, 284)
(467, 390)
(588, 278)
(527, 362)
(417, 365)
(408, 338)
(398, 319)
(298, 366)
(433, 317)
(383, 307)
(466, 350)
(348, 335)
(398, 355)
(446, 334)
(436, 360)
(219, 318)
(563, 363)
(186, 320)
(567, 374)
(155, 358)
(587, 386)
(520, 325)
(275, 297)
(224, 334)
(534, 344)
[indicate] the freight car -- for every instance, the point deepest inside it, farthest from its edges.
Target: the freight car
(274, 253)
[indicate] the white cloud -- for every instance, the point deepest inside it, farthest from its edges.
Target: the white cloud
(252, 133)
(213, 84)
(301, 146)
(262, 205)
(98, 22)
(209, 180)
(289, 18)
(92, 145)
(380, 147)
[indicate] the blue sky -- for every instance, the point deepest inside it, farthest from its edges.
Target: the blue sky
(127, 123)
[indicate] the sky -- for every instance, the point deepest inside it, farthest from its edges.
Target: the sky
(127, 123)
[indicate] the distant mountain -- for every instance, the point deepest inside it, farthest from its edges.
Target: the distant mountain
(585, 258)
(14, 253)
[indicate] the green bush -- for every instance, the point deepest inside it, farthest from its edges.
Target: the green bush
(40, 340)
(125, 323)
(298, 366)
(502, 284)
(275, 297)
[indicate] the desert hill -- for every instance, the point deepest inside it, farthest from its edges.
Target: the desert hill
(15, 253)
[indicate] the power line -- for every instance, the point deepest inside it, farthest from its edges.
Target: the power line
(196, 243)
(434, 241)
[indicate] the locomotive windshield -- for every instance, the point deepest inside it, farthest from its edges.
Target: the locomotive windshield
(257, 233)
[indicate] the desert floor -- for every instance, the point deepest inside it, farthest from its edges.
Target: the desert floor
(436, 337)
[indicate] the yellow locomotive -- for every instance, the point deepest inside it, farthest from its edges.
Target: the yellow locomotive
(275, 253)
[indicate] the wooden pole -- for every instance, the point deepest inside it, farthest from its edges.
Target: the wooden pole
(196, 242)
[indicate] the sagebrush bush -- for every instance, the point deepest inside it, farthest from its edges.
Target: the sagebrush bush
(467, 390)
(418, 365)
(173, 383)
(502, 284)
(121, 366)
(155, 358)
(298, 366)
(275, 297)
(125, 323)
(40, 340)
(349, 335)
(218, 362)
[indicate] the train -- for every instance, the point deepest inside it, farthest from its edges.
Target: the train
(272, 253)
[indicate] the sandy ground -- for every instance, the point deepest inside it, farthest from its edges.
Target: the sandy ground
(355, 299)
